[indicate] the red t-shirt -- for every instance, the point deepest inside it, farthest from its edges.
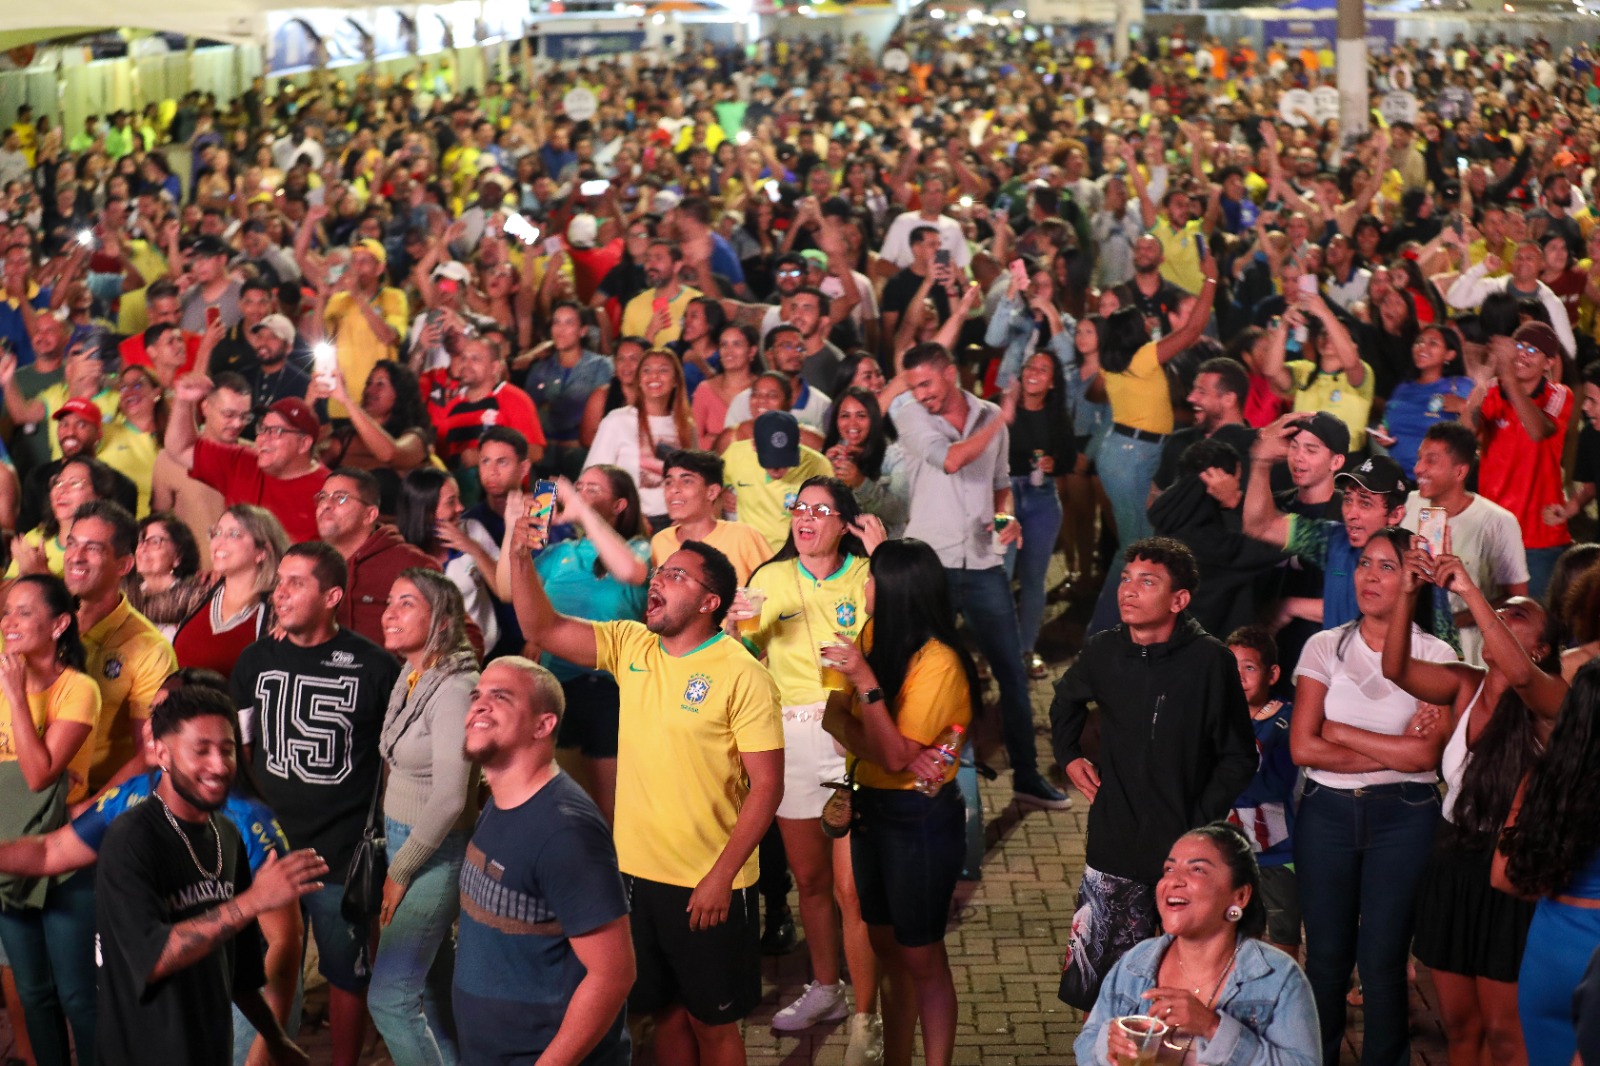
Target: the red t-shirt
(132, 351)
(591, 265)
(466, 420)
(1522, 475)
(232, 470)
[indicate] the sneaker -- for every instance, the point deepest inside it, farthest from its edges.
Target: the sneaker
(1036, 667)
(778, 938)
(866, 1041)
(818, 1003)
(1032, 790)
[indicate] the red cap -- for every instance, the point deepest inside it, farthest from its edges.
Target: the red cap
(298, 414)
(84, 409)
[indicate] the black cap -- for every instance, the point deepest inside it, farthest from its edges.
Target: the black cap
(209, 245)
(1378, 474)
(1329, 429)
(777, 439)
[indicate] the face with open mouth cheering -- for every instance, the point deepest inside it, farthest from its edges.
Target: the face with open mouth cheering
(1196, 889)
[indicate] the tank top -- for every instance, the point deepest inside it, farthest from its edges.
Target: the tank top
(1453, 764)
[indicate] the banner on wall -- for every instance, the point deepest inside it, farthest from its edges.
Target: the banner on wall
(1321, 33)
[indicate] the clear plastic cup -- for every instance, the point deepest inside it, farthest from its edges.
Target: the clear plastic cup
(1145, 1033)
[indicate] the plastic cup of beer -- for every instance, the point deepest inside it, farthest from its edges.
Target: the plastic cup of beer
(828, 654)
(756, 598)
(1144, 1033)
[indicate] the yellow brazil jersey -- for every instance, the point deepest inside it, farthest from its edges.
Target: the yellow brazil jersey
(685, 720)
(1180, 253)
(934, 696)
(55, 553)
(128, 659)
(641, 309)
(357, 347)
(56, 395)
(72, 698)
(802, 612)
(763, 499)
(127, 448)
(743, 544)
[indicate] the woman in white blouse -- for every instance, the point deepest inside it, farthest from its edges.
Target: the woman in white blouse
(638, 438)
(1366, 822)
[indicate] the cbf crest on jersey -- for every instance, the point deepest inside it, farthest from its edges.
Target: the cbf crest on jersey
(844, 612)
(695, 692)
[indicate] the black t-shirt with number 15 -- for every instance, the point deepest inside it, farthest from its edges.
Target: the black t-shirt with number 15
(146, 883)
(317, 715)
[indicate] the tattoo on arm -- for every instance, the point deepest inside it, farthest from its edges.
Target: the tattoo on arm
(193, 940)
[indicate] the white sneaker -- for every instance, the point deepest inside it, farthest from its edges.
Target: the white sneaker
(818, 1003)
(866, 1041)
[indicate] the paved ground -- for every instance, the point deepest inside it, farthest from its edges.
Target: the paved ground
(1005, 942)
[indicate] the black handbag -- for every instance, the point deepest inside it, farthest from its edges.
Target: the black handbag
(369, 867)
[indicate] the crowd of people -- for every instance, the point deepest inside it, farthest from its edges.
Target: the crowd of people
(726, 441)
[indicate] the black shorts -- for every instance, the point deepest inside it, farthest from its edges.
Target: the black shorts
(1281, 896)
(590, 720)
(908, 850)
(714, 974)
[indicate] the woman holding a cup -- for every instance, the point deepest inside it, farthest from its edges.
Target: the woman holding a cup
(799, 608)
(1207, 991)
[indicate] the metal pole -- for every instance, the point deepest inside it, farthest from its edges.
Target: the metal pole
(1351, 69)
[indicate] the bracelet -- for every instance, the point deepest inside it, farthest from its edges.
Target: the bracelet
(872, 695)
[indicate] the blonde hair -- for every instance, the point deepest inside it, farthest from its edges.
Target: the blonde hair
(267, 532)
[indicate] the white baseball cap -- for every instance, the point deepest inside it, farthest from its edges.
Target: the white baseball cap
(582, 231)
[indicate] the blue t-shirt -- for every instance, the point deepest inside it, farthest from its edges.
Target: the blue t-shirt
(1415, 407)
(534, 876)
(255, 822)
(567, 570)
(12, 329)
(1265, 809)
(561, 393)
(1325, 543)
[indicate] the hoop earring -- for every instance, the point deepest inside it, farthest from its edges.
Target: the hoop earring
(1233, 913)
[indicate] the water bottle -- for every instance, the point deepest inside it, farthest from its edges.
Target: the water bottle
(948, 745)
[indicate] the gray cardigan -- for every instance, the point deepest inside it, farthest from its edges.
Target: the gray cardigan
(430, 780)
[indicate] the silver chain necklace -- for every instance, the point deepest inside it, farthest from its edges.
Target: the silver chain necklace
(189, 846)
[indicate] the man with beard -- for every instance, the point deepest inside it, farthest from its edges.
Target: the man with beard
(657, 313)
(699, 778)
(78, 427)
(235, 349)
(225, 415)
(177, 935)
(365, 317)
(312, 704)
(545, 958)
(1156, 298)
(902, 288)
(1220, 387)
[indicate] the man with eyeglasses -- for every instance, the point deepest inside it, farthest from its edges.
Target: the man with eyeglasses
(224, 416)
(766, 472)
(79, 428)
(281, 473)
(699, 779)
(374, 553)
(128, 659)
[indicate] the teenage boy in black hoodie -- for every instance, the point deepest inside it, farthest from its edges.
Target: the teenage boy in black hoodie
(1176, 747)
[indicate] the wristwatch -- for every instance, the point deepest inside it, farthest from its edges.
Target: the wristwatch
(872, 695)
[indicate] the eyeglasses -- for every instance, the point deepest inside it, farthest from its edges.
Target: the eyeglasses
(156, 540)
(263, 430)
(230, 533)
(676, 575)
(136, 385)
(76, 484)
(338, 499)
(791, 272)
(1529, 349)
(815, 510)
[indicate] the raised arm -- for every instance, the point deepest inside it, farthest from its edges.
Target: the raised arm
(1433, 682)
(572, 639)
(181, 433)
(1542, 692)
(619, 559)
(1169, 347)
(278, 883)
(1262, 519)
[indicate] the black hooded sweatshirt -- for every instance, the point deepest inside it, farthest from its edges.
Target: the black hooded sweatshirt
(1176, 744)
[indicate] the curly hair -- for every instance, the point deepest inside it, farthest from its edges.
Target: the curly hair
(1558, 828)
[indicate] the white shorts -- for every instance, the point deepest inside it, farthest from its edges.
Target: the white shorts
(809, 759)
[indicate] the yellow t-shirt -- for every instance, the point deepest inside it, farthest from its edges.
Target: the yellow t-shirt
(933, 697)
(56, 395)
(1139, 396)
(801, 612)
(357, 348)
(764, 500)
(72, 698)
(128, 659)
(1180, 262)
(636, 316)
(55, 555)
(684, 722)
(1479, 249)
(130, 450)
(743, 544)
(1314, 391)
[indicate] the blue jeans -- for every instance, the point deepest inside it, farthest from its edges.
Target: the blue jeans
(1359, 857)
(983, 598)
(1039, 511)
(1541, 561)
(411, 976)
(52, 953)
(1125, 467)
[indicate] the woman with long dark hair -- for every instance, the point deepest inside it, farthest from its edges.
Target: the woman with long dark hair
(1371, 759)
(1469, 934)
(636, 438)
(909, 681)
(739, 356)
(165, 584)
(80, 480)
(1081, 490)
(50, 708)
(1550, 850)
(600, 576)
(859, 444)
(703, 323)
(389, 431)
(429, 516)
(1134, 368)
(1434, 391)
(1041, 444)
(813, 593)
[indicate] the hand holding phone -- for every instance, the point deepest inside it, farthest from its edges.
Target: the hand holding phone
(541, 508)
(1431, 527)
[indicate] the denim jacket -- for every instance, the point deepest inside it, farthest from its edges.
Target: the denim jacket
(1268, 1015)
(1014, 329)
